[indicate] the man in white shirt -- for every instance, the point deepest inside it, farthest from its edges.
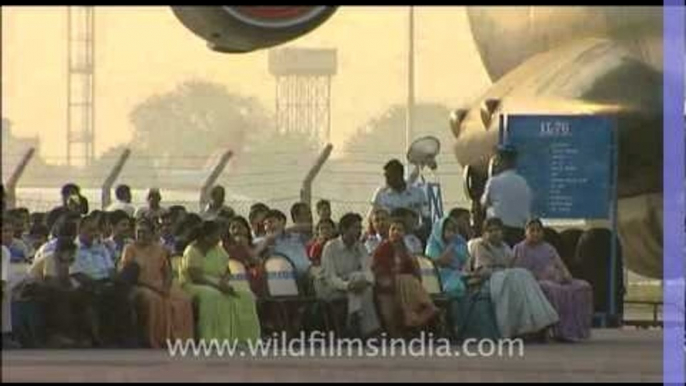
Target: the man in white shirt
(398, 194)
(508, 197)
(6, 295)
(153, 211)
(123, 195)
(66, 226)
(8, 282)
(346, 273)
(216, 204)
(108, 293)
(279, 240)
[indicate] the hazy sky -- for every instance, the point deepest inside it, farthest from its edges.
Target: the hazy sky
(141, 51)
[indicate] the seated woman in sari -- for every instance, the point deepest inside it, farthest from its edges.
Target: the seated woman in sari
(223, 312)
(571, 298)
(164, 310)
(521, 308)
(403, 302)
(238, 244)
(449, 251)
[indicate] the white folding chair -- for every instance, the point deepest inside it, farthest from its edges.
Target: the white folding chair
(281, 277)
(471, 249)
(431, 281)
(238, 276)
(283, 290)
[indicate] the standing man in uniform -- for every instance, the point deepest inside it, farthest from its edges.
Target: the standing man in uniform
(397, 193)
(508, 197)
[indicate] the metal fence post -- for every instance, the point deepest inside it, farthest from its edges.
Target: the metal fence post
(106, 196)
(212, 178)
(306, 190)
(11, 184)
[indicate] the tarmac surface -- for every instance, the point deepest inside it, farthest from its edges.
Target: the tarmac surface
(627, 355)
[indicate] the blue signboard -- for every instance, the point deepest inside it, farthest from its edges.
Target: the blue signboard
(568, 162)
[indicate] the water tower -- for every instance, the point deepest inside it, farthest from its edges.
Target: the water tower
(303, 90)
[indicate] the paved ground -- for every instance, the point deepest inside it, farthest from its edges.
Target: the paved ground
(611, 356)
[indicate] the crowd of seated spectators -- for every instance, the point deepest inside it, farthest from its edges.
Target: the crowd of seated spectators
(136, 277)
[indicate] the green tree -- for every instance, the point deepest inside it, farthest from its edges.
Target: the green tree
(384, 136)
(195, 120)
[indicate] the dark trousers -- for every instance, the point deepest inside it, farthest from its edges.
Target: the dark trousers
(114, 318)
(512, 236)
(28, 322)
(69, 313)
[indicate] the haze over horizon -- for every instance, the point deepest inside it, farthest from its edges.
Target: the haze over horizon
(143, 51)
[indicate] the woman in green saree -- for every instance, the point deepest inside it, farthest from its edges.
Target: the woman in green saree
(223, 312)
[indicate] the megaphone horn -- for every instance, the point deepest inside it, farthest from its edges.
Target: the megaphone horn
(487, 109)
(423, 151)
(456, 118)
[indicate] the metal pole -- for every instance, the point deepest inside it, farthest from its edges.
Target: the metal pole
(106, 196)
(328, 109)
(409, 124)
(276, 106)
(613, 218)
(91, 50)
(306, 190)
(69, 65)
(212, 178)
(501, 129)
